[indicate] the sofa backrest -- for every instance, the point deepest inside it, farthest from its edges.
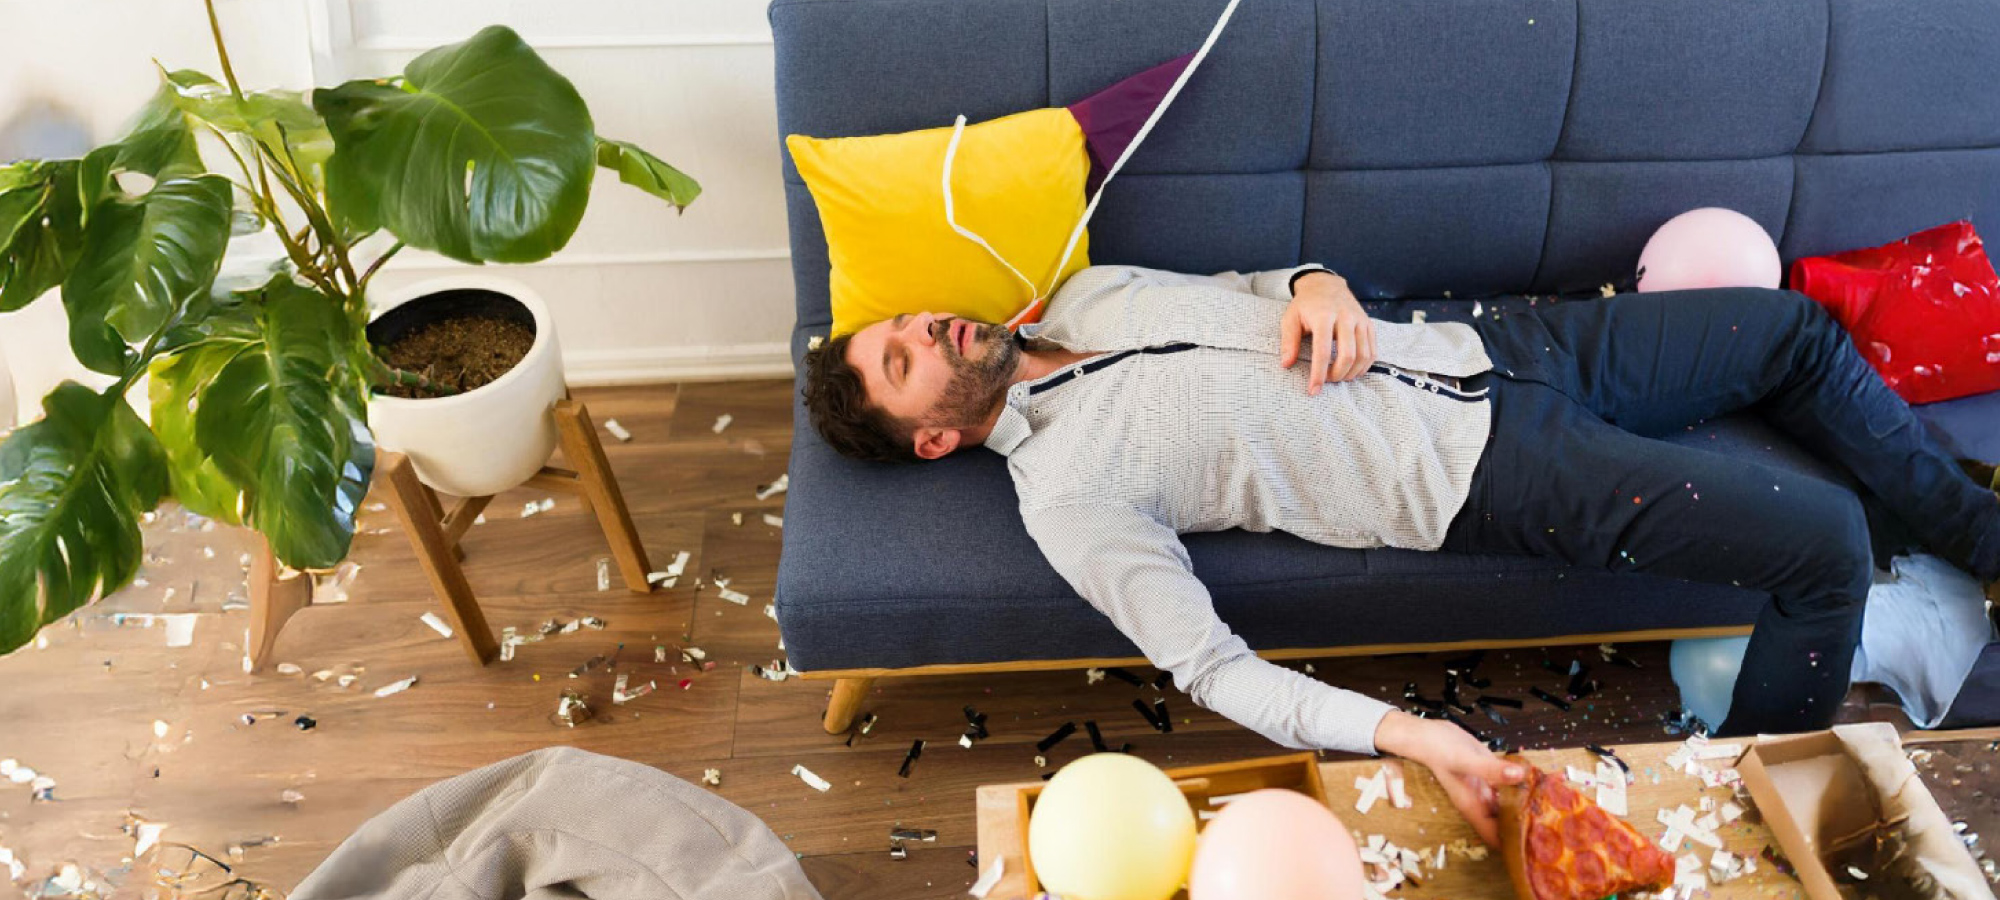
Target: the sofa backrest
(1419, 147)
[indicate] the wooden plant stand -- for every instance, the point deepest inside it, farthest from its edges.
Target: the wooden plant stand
(434, 534)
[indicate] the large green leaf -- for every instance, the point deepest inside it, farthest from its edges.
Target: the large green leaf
(72, 486)
(647, 172)
(483, 153)
(176, 384)
(142, 259)
(280, 120)
(41, 226)
(160, 142)
(282, 420)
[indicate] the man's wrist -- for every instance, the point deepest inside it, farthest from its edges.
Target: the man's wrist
(1400, 734)
(1309, 275)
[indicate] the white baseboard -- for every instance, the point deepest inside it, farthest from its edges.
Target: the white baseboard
(657, 365)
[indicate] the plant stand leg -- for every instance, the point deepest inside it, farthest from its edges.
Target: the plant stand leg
(418, 508)
(599, 489)
(847, 696)
(273, 600)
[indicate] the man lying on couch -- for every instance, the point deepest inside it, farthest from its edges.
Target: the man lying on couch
(1150, 404)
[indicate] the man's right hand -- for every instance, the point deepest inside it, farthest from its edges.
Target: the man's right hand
(1323, 309)
(1468, 771)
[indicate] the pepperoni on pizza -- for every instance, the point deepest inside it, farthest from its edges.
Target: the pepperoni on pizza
(1560, 845)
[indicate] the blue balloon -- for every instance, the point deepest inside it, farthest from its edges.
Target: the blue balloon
(1705, 671)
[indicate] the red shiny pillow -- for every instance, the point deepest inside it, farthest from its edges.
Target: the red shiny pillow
(1924, 311)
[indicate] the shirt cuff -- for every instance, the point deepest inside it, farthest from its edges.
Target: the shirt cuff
(1276, 284)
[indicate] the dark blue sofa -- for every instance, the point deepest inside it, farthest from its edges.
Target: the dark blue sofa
(1432, 152)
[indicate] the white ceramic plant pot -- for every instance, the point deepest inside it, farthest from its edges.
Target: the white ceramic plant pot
(488, 439)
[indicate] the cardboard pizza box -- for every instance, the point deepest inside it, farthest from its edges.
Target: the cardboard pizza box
(1828, 790)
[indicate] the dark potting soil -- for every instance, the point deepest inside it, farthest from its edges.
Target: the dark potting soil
(459, 354)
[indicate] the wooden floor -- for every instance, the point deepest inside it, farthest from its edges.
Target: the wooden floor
(128, 726)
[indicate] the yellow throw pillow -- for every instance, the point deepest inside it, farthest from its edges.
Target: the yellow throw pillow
(1016, 181)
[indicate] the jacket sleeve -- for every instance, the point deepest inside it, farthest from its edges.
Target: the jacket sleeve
(1136, 571)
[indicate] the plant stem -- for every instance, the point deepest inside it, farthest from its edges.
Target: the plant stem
(228, 72)
(377, 264)
(387, 376)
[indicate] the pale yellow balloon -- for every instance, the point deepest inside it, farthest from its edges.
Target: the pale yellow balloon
(1111, 826)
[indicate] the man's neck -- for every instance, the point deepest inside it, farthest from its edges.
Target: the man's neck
(1040, 363)
(1036, 362)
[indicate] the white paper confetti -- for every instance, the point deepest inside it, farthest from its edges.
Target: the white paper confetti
(180, 629)
(806, 775)
(721, 422)
(397, 687)
(436, 624)
(783, 484)
(1611, 789)
(774, 521)
(1372, 788)
(1398, 796)
(15, 868)
(618, 431)
(737, 597)
(989, 879)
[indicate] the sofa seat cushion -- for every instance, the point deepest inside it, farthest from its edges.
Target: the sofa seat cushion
(902, 566)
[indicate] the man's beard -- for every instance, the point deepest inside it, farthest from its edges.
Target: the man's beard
(978, 386)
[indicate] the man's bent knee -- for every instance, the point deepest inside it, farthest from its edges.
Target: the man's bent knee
(1838, 561)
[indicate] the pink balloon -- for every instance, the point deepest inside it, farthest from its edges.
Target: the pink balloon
(1275, 845)
(1708, 248)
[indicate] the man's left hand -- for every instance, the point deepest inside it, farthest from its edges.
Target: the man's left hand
(1324, 308)
(1468, 772)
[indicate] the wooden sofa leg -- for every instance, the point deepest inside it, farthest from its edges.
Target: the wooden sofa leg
(847, 696)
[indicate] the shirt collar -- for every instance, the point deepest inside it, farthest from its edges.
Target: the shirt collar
(1012, 427)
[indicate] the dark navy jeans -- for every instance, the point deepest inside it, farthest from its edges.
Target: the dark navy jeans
(1573, 469)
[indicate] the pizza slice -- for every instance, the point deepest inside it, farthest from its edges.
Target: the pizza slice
(1560, 845)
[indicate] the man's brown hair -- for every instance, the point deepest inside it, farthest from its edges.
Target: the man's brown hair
(838, 406)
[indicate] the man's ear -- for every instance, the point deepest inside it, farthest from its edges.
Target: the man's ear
(934, 443)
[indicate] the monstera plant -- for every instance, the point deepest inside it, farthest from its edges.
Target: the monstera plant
(479, 151)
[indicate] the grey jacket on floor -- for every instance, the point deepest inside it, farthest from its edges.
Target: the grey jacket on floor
(561, 823)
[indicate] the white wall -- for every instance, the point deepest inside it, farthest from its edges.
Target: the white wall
(640, 294)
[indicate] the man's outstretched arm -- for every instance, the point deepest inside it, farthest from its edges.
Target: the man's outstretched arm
(1136, 571)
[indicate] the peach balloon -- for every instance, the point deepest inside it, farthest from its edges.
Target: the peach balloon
(1709, 247)
(1275, 845)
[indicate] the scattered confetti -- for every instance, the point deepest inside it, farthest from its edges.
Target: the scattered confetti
(988, 880)
(437, 624)
(397, 687)
(806, 775)
(722, 422)
(180, 629)
(618, 431)
(783, 484)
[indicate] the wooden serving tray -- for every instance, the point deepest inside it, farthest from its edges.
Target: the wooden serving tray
(1431, 821)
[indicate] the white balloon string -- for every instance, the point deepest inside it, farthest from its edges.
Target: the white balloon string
(951, 153)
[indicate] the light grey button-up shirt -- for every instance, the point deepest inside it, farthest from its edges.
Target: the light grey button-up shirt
(1186, 423)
